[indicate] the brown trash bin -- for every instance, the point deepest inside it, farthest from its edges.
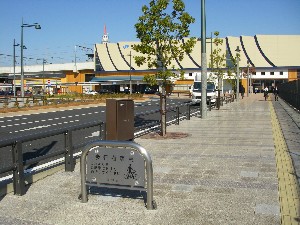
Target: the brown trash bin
(119, 119)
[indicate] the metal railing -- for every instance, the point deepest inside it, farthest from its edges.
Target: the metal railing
(18, 161)
(176, 114)
(290, 92)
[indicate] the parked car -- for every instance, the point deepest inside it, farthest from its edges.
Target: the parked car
(104, 91)
(127, 91)
(91, 93)
(27, 93)
(149, 91)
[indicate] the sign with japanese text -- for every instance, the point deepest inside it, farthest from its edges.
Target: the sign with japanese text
(115, 166)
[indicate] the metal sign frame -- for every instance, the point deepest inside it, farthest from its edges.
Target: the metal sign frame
(120, 145)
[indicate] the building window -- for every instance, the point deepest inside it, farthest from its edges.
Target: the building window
(253, 73)
(271, 73)
(263, 73)
(190, 74)
(281, 73)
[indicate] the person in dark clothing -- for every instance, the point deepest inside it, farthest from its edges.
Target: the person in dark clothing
(266, 93)
(242, 91)
(275, 91)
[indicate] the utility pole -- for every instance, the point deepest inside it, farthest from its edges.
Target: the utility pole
(130, 82)
(203, 62)
(237, 73)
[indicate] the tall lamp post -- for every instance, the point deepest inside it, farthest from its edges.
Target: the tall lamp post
(203, 61)
(248, 78)
(14, 63)
(36, 26)
(130, 81)
(44, 62)
(237, 73)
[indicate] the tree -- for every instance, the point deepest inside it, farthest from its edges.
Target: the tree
(161, 29)
(220, 61)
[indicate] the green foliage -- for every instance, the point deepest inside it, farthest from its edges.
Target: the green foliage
(27, 103)
(17, 104)
(218, 62)
(161, 29)
(218, 59)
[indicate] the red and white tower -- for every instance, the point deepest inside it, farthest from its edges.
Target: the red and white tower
(105, 36)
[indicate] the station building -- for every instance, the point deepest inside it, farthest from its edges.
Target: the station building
(271, 59)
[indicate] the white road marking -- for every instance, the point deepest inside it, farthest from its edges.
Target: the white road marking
(34, 128)
(94, 134)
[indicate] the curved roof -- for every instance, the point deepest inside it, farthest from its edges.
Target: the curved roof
(281, 50)
(259, 50)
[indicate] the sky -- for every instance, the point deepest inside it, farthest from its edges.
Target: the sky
(66, 23)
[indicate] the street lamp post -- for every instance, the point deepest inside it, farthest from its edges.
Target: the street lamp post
(36, 26)
(248, 79)
(14, 63)
(44, 62)
(130, 82)
(237, 73)
(203, 62)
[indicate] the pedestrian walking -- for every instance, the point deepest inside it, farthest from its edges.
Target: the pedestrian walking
(276, 92)
(266, 93)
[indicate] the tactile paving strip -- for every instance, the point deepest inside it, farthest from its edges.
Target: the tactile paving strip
(289, 193)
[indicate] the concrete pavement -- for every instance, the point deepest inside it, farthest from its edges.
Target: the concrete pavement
(224, 172)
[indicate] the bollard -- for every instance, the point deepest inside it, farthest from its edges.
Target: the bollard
(209, 105)
(200, 111)
(177, 115)
(188, 116)
(18, 173)
(69, 160)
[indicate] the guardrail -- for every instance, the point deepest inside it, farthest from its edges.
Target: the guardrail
(185, 113)
(19, 162)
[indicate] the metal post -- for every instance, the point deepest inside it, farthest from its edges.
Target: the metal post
(177, 115)
(69, 160)
(237, 80)
(22, 69)
(130, 82)
(44, 75)
(248, 86)
(200, 112)
(237, 73)
(18, 173)
(203, 61)
(188, 116)
(14, 63)
(37, 26)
